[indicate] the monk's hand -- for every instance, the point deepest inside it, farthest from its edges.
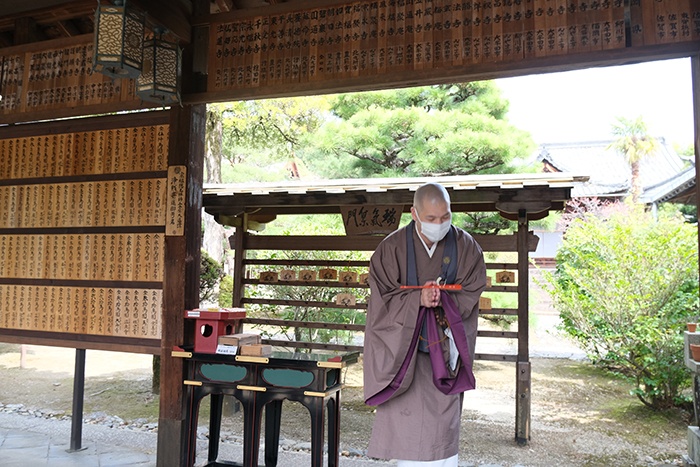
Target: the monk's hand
(430, 296)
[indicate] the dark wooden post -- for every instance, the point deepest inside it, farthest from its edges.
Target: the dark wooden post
(181, 284)
(695, 73)
(522, 368)
(238, 245)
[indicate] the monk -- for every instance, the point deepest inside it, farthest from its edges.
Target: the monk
(419, 342)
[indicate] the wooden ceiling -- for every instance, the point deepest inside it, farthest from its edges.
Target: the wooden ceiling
(27, 21)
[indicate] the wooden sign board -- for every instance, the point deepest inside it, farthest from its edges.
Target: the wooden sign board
(288, 275)
(269, 276)
(345, 299)
(371, 220)
(84, 249)
(49, 81)
(347, 276)
(356, 43)
(175, 214)
(505, 277)
(328, 274)
(307, 275)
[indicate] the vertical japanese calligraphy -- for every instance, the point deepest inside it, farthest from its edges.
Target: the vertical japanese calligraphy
(357, 39)
(58, 78)
(83, 216)
(175, 219)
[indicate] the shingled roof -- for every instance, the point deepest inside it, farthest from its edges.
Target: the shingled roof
(505, 193)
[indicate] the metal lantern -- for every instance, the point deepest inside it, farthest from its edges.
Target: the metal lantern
(160, 78)
(119, 31)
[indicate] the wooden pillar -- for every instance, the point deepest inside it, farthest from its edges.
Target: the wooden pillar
(181, 280)
(695, 73)
(522, 368)
(238, 245)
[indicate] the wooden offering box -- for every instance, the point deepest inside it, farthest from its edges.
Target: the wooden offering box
(212, 323)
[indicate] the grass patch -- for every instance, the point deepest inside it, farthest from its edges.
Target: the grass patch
(127, 399)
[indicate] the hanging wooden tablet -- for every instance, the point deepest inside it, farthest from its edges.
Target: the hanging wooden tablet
(484, 303)
(505, 277)
(364, 278)
(488, 281)
(288, 275)
(268, 276)
(175, 212)
(347, 276)
(307, 275)
(327, 274)
(345, 299)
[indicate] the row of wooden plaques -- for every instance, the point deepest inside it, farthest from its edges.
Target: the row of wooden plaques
(82, 310)
(310, 275)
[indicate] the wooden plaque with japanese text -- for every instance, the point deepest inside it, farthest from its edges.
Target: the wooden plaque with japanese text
(390, 42)
(83, 211)
(51, 79)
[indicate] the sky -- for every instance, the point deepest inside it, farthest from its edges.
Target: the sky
(582, 105)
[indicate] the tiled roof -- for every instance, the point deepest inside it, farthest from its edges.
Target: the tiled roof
(610, 175)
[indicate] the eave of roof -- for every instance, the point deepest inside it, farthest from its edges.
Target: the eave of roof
(505, 193)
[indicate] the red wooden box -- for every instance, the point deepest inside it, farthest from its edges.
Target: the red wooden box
(210, 324)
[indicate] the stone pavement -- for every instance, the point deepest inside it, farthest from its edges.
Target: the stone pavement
(30, 441)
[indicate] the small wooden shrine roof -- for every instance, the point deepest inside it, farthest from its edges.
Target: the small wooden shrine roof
(504, 193)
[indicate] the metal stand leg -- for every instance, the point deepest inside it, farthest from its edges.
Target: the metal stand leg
(273, 418)
(76, 434)
(217, 403)
(334, 430)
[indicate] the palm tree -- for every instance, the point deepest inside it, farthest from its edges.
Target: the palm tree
(634, 142)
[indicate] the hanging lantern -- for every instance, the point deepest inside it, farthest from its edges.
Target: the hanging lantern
(119, 31)
(160, 78)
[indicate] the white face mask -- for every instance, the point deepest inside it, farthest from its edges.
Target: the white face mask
(435, 232)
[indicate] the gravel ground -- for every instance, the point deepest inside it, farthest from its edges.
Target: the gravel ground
(580, 416)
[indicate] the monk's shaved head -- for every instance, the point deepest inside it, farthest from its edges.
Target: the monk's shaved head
(430, 193)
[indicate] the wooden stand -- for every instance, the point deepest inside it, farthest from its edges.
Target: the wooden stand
(692, 458)
(312, 379)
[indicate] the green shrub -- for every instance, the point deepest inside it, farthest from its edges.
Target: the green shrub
(226, 292)
(625, 284)
(210, 273)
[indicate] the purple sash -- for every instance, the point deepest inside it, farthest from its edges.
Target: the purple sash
(464, 379)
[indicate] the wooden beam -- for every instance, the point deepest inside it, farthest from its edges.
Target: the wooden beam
(67, 28)
(368, 243)
(6, 39)
(107, 122)
(238, 203)
(174, 15)
(446, 75)
(16, 7)
(81, 341)
(25, 31)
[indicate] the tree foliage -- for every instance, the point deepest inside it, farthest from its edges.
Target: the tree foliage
(211, 272)
(435, 130)
(260, 139)
(634, 142)
(625, 286)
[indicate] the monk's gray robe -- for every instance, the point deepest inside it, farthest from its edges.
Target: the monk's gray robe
(419, 422)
